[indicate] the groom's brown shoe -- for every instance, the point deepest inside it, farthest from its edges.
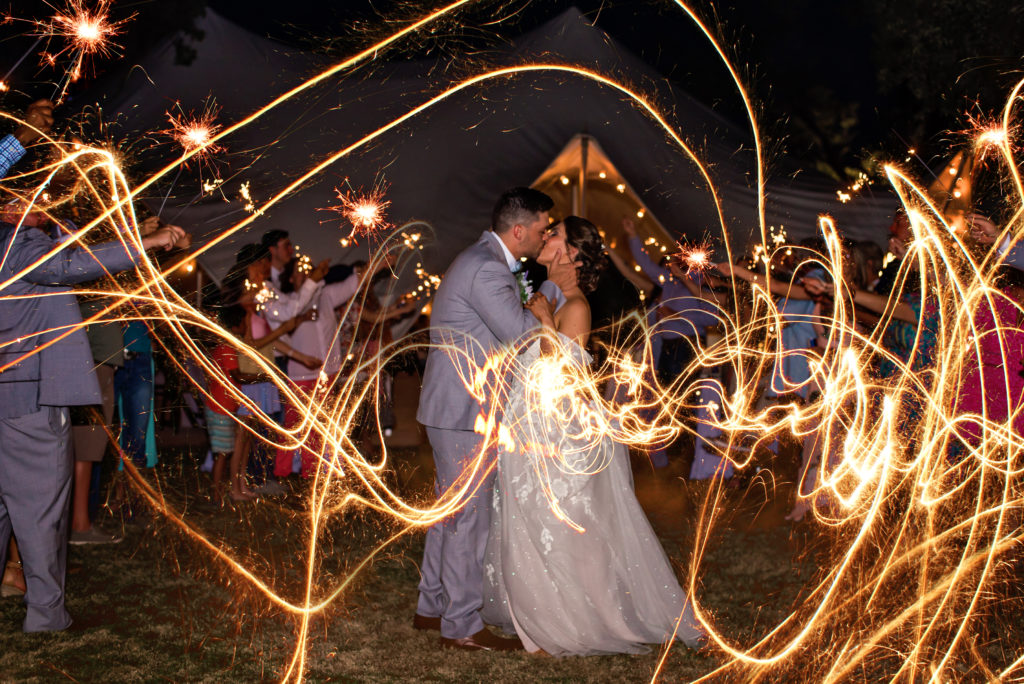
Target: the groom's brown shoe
(425, 623)
(483, 641)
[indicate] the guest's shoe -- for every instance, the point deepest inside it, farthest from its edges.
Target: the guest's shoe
(422, 622)
(483, 641)
(94, 535)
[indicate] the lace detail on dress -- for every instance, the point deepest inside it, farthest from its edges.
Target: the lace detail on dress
(572, 564)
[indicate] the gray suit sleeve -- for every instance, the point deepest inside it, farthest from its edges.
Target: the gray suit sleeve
(553, 292)
(72, 265)
(1015, 256)
(495, 297)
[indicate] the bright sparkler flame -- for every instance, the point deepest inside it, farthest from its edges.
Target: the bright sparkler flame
(920, 538)
(195, 133)
(87, 33)
(364, 211)
(696, 258)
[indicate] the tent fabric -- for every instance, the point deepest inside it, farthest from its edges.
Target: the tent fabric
(448, 165)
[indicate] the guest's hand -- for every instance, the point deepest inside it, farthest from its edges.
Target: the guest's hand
(816, 287)
(562, 272)
(150, 225)
(982, 229)
(308, 361)
(318, 273)
(629, 227)
(38, 122)
(167, 238)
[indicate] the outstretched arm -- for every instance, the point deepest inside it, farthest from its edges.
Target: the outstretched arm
(776, 287)
(869, 300)
(72, 266)
(639, 281)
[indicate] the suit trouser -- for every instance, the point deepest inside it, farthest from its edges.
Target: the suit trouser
(451, 584)
(35, 485)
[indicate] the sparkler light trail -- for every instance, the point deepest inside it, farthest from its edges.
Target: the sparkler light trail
(918, 495)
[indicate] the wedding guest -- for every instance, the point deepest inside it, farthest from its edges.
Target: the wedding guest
(91, 435)
(134, 388)
(315, 338)
(288, 297)
(992, 380)
(47, 368)
(221, 404)
(677, 318)
(258, 388)
(38, 120)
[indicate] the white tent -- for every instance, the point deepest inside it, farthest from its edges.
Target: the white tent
(448, 165)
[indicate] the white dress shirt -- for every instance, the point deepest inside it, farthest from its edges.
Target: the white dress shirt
(317, 338)
(513, 263)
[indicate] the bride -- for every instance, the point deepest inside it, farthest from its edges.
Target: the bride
(572, 564)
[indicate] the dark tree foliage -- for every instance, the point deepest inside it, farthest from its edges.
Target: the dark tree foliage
(937, 60)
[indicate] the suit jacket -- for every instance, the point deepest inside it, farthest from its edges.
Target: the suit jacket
(476, 310)
(40, 307)
(1015, 256)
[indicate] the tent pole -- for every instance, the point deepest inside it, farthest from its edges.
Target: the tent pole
(584, 145)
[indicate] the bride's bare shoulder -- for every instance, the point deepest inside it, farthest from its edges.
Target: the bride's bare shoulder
(573, 318)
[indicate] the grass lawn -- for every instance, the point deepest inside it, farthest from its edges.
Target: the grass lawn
(159, 607)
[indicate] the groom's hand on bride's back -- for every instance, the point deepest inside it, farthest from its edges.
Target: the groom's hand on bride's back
(562, 272)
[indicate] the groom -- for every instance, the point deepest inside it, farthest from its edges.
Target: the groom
(477, 309)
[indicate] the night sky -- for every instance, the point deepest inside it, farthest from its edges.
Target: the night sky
(815, 69)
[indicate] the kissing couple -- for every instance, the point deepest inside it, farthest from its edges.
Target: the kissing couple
(506, 558)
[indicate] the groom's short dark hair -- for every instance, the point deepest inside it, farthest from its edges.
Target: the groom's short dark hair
(518, 205)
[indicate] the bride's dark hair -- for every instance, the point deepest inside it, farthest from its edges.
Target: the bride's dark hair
(585, 237)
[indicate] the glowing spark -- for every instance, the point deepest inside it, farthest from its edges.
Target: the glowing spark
(196, 133)
(87, 33)
(696, 258)
(364, 211)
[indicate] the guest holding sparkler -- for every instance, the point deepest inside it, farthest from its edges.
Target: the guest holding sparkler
(37, 122)
(677, 318)
(286, 297)
(248, 284)
(43, 347)
(316, 338)
(992, 384)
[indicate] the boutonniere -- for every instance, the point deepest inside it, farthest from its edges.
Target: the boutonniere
(525, 289)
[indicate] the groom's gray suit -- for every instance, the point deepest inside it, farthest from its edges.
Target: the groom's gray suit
(477, 309)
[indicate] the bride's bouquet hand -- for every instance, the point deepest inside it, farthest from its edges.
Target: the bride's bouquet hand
(543, 308)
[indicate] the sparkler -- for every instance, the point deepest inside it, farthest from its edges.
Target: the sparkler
(365, 211)
(696, 258)
(88, 33)
(196, 133)
(887, 484)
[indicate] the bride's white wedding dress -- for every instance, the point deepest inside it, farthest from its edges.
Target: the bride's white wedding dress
(606, 589)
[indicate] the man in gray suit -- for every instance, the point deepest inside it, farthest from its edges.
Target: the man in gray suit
(43, 371)
(477, 309)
